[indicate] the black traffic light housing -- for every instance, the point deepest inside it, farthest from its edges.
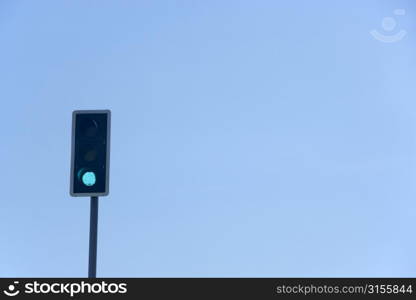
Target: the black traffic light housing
(90, 159)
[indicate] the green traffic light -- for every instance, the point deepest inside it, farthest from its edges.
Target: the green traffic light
(89, 178)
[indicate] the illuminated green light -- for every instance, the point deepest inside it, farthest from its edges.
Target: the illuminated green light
(89, 178)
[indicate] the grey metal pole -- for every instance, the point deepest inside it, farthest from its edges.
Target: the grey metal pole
(92, 265)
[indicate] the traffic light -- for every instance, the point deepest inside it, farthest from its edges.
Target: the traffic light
(90, 159)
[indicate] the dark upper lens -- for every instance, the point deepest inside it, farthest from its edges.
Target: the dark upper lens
(89, 128)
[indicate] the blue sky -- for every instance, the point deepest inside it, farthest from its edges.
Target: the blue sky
(249, 138)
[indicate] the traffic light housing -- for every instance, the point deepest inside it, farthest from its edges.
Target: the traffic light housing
(90, 159)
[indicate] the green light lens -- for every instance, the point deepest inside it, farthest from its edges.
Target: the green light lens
(89, 178)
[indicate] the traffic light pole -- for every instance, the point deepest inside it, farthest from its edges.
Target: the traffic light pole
(92, 265)
(90, 167)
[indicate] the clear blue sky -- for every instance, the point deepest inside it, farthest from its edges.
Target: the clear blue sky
(249, 138)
